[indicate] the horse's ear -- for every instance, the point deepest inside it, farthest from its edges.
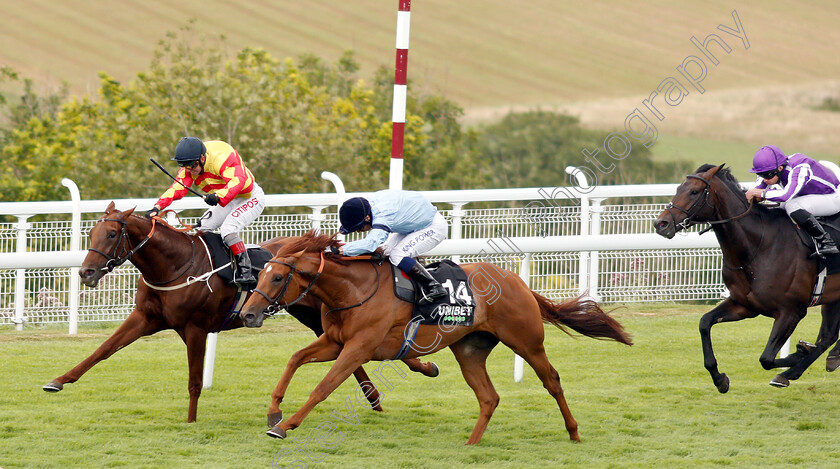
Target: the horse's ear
(128, 212)
(111, 206)
(712, 171)
(721, 166)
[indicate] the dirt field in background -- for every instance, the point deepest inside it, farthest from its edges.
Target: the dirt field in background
(781, 115)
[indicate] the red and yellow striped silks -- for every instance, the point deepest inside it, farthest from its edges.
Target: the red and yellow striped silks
(224, 175)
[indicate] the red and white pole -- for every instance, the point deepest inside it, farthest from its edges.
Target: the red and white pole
(400, 91)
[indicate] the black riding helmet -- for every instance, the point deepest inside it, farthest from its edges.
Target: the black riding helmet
(189, 149)
(352, 214)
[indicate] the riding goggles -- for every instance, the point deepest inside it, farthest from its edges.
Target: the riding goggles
(188, 164)
(769, 174)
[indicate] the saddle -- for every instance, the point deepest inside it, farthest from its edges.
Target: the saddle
(221, 255)
(831, 224)
(455, 309)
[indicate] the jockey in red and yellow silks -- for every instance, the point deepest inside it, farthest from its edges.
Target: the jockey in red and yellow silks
(224, 175)
(236, 199)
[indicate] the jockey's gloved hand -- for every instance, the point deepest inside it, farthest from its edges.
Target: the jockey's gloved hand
(211, 199)
(152, 212)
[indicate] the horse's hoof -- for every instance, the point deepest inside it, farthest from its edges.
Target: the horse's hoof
(276, 432)
(723, 387)
(53, 386)
(275, 418)
(832, 363)
(435, 372)
(780, 382)
(804, 347)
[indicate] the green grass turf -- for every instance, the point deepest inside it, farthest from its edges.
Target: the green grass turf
(649, 405)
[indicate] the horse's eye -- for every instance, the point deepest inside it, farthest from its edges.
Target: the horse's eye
(278, 278)
(695, 192)
(112, 234)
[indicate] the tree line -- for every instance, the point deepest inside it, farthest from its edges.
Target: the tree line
(289, 119)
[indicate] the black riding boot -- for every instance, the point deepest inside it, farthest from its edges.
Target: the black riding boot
(430, 288)
(243, 274)
(825, 245)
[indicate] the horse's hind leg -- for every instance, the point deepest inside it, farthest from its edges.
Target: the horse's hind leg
(471, 353)
(535, 356)
(832, 362)
(829, 330)
(134, 327)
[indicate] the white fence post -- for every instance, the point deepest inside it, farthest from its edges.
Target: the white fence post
(583, 269)
(75, 241)
(595, 229)
(457, 228)
(20, 274)
(317, 217)
(209, 360)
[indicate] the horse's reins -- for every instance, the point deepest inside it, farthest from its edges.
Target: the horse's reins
(115, 260)
(698, 205)
(274, 304)
(689, 220)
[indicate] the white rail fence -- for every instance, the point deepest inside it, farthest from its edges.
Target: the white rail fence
(600, 242)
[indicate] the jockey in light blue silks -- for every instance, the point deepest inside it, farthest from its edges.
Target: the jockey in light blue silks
(408, 225)
(808, 189)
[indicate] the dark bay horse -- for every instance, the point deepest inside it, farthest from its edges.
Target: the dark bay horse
(166, 257)
(765, 267)
(364, 321)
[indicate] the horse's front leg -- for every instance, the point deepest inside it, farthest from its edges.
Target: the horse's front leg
(829, 330)
(725, 312)
(135, 326)
(353, 355)
(321, 350)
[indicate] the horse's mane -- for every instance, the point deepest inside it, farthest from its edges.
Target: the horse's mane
(725, 175)
(309, 242)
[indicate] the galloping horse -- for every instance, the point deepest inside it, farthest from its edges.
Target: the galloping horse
(765, 267)
(363, 321)
(166, 258)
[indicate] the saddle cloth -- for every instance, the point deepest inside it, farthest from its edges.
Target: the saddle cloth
(456, 309)
(221, 256)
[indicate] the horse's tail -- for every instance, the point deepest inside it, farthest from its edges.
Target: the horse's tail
(584, 316)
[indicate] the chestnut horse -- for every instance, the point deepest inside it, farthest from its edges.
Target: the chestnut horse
(363, 320)
(166, 258)
(765, 267)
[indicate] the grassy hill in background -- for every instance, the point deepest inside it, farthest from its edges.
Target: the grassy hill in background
(594, 59)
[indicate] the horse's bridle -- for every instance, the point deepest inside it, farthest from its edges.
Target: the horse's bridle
(274, 304)
(698, 205)
(114, 259)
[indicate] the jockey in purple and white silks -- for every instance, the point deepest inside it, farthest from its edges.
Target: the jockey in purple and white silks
(807, 189)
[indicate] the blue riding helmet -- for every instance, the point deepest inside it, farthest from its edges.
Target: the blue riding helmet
(352, 214)
(768, 158)
(189, 149)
